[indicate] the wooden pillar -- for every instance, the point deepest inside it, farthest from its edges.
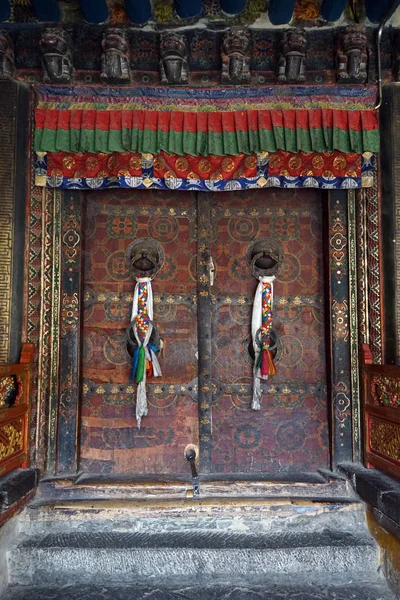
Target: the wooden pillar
(341, 383)
(390, 224)
(14, 144)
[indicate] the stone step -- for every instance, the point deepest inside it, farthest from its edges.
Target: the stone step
(113, 541)
(197, 539)
(343, 588)
(116, 557)
(244, 515)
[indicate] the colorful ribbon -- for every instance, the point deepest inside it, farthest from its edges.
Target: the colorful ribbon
(261, 327)
(144, 360)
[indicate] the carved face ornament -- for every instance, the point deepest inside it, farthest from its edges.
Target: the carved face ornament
(237, 42)
(55, 40)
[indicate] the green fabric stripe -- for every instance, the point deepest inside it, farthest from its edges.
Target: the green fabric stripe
(317, 140)
(190, 144)
(267, 140)
(101, 140)
(371, 140)
(116, 141)
(345, 140)
(303, 140)
(87, 141)
(195, 144)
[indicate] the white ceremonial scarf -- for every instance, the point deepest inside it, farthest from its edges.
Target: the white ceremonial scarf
(141, 395)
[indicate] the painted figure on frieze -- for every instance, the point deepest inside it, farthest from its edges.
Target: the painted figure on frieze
(7, 65)
(236, 55)
(292, 57)
(145, 257)
(352, 55)
(174, 67)
(265, 257)
(56, 47)
(115, 59)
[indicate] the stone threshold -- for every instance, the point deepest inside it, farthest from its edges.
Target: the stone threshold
(86, 487)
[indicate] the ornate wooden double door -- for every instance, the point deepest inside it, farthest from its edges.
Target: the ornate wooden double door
(202, 306)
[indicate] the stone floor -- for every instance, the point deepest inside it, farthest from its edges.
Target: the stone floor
(248, 591)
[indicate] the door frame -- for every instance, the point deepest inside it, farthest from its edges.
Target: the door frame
(351, 219)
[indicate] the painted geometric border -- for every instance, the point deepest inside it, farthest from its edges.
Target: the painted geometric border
(374, 272)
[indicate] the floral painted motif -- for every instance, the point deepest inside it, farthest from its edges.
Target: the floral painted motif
(385, 391)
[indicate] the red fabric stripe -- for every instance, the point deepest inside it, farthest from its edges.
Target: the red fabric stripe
(315, 119)
(103, 120)
(150, 120)
(289, 119)
(190, 122)
(163, 121)
(302, 119)
(241, 121)
(63, 119)
(327, 118)
(354, 121)
(252, 119)
(138, 119)
(277, 118)
(176, 122)
(340, 119)
(88, 119)
(202, 122)
(228, 121)
(369, 120)
(40, 115)
(215, 123)
(126, 119)
(51, 120)
(265, 120)
(76, 119)
(115, 120)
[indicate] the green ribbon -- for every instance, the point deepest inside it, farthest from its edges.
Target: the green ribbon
(140, 365)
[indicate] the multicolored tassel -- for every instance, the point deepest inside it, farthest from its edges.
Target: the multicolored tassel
(261, 328)
(267, 365)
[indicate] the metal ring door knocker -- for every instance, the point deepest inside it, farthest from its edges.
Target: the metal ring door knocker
(145, 257)
(265, 257)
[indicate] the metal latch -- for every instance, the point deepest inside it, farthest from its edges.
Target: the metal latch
(211, 271)
(191, 457)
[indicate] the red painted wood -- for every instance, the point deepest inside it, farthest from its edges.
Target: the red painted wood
(381, 421)
(19, 411)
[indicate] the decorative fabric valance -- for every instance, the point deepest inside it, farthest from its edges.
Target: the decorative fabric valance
(203, 122)
(329, 170)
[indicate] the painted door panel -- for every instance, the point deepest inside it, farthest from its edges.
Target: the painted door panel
(110, 440)
(290, 432)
